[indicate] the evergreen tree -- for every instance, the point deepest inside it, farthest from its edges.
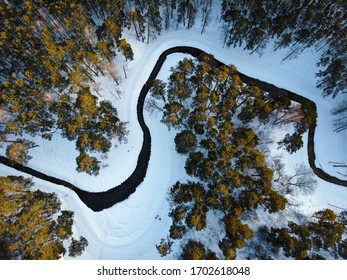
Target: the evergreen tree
(185, 142)
(77, 247)
(206, 14)
(325, 229)
(342, 249)
(126, 50)
(194, 250)
(138, 23)
(296, 24)
(186, 12)
(153, 19)
(87, 164)
(164, 247)
(292, 143)
(176, 231)
(17, 151)
(237, 232)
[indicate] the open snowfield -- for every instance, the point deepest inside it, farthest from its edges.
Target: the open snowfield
(132, 228)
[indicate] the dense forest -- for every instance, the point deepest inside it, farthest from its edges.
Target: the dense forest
(53, 51)
(214, 113)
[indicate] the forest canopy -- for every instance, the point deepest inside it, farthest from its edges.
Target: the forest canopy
(32, 224)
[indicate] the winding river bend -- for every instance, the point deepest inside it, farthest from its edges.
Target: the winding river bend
(98, 201)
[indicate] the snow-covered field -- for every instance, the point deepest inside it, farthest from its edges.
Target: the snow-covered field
(131, 229)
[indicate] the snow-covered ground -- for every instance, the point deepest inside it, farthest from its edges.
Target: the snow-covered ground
(131, 229)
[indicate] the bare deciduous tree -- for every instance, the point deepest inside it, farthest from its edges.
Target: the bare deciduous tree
(302, 181)
(286, 116)
(111, 72)
(96, 87)
(152, 106)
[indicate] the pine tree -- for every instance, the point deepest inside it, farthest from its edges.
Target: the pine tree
(333, 78)
(342, 249)
(296, 24)
(77, 247)
(325, 230)
(158, 90)
(237, 232)
(227, 249)
(164, 247)
(153, 19)
(177, 231)
(185, 142)
(18, 151)
(204, 100)
(292, 143)
(87, 164)
(186, 13)
(126, 50)
(138, 23)
(194, 250)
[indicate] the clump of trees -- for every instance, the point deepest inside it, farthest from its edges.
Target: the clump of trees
(318, 238)
(296, 25)
(195, 250)
(32, 224)
(212, 110)
(91, 124)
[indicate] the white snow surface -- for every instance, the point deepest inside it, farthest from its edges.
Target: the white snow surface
(132, 228)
